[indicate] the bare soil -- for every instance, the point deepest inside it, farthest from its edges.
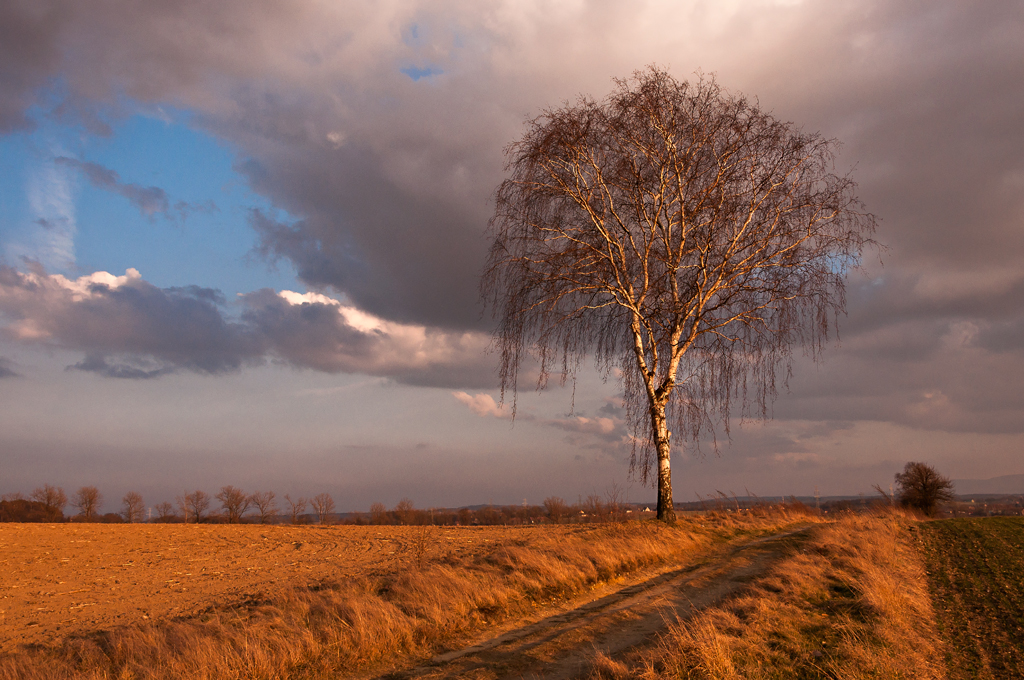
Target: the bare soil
(64, 580)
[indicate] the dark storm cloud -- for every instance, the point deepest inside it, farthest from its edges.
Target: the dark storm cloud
(129, 328)
(403, 252)
(29, 55)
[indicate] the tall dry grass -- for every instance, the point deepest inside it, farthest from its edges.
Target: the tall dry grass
(851, 602)
(377, 620)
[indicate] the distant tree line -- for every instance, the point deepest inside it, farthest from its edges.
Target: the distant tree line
(232, 505)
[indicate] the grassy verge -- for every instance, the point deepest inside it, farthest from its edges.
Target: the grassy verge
(370, 622)
(976, 573)
(850, 601)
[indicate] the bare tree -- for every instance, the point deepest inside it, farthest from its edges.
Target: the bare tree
(404, 511)
(133, 507)
(593, 507)
(555, 508)
(193, 505)
(296, 507)
(53, 499)
(323, 505)
(678, 233)
(264, 503)
(378, 513)
(87, 499)
(614, 496)
(234, 501)
(919, 486)
(164, 511)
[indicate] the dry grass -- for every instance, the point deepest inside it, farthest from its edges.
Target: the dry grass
(849, 602)
(373, 621)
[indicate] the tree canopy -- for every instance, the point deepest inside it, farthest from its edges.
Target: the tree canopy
(679, 233)
(921, 487)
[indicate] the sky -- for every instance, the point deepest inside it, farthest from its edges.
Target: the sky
(241, 243)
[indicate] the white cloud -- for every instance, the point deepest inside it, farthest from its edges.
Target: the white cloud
(483, 404)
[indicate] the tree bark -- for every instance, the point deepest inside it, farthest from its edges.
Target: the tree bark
(666, 508)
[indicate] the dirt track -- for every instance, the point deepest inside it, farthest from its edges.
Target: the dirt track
(61, 580)
(561, 645)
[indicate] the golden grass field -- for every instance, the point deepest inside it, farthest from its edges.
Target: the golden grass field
(219, 601)
(851, 602)
(844, 598)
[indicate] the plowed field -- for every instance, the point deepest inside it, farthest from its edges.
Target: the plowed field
(61, 580)
(976, 574)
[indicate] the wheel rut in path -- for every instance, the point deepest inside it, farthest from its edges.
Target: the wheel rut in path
(562, 646)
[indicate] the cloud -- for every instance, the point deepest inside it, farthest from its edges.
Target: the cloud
(609, 428)
(149, 200)
(313, 331)
(126, 369)
(389, 178)
(129, 328)
(105, 315)
(598, 426)
(50, 238)
(6, 369)
(483, 405)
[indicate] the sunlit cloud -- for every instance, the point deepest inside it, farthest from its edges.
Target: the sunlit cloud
(483, 405)
(129, 328)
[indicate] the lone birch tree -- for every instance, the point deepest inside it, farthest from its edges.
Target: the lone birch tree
(681, 234)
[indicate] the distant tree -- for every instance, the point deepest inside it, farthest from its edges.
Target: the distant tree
(264, 503)
(132, 507)
(594, 508)
(920, 487)
(193, 505)
(53, 499)
(614, 495)
(404, 510)
(323, 505)
(680, 234)
(88, 500)
(234, 501)
(13, 496)
(164, 512)
(296, 508)
(555, 508)
(378, 514)
(13, 509)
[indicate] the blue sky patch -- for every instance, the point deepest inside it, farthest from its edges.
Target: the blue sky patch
(418, 73)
